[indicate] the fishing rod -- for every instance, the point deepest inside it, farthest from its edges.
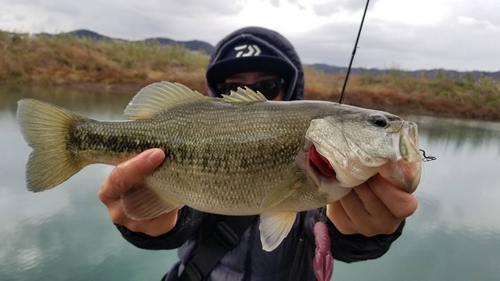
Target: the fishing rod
(425, 157)
(353, 53)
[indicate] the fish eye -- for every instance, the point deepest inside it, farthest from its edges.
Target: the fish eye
(379, 121)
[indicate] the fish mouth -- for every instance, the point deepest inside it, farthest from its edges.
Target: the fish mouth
(406, 170)
(320, 163)
(320, 170)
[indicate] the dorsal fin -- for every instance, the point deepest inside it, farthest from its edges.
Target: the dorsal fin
(161, 96)
(246, 95)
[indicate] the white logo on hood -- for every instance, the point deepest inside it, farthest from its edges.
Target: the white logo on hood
(253, 50)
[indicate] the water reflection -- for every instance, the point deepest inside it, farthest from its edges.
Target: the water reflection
(455, 232)
(457, 134)
(65, 233)
(106, 103)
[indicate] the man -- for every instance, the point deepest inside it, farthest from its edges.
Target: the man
(362, 225)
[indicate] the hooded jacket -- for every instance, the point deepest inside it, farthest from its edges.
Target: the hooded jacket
(247, 261)
(269, 39)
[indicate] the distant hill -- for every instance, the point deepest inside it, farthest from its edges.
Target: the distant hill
(204, 47)
(193, 45)
(328, 69)
(81, 33)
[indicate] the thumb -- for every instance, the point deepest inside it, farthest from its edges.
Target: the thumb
(129, 173)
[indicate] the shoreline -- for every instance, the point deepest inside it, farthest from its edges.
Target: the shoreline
(118, 66)
(393, 105)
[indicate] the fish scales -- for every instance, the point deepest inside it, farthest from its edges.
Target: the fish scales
(218, 154)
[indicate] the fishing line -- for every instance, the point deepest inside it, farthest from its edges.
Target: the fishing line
(427, 158)
(353, 53)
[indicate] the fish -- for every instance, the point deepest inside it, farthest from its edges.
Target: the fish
(236, 155)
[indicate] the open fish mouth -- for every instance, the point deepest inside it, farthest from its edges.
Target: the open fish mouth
(320, 163)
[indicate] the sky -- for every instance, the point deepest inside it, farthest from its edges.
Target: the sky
(459, 35)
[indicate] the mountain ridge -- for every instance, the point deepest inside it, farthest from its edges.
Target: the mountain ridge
(207, 48)
(192, 45)
(435, 72)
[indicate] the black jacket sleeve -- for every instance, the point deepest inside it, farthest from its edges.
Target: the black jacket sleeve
(346, 248)
(188, 221)
(350, 248)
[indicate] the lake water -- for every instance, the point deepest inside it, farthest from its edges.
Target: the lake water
(65, 233)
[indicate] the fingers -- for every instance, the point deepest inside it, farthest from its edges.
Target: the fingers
(400, 203)
(129, 173)
(370, 217)
(376, 207)
(126, 176)
(337, 215)
(116, 213)
(153, 227)
(355, 210)
(373, 205)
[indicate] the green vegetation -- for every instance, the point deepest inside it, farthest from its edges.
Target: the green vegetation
(70, 60)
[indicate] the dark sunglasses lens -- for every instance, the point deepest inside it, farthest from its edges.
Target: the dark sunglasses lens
(226, 88)
(269, 88)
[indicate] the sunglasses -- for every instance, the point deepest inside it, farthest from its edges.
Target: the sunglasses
(270, 88)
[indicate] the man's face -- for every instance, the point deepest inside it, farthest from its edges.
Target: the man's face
(248, 78)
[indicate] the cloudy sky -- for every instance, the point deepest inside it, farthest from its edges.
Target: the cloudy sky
(418, 34)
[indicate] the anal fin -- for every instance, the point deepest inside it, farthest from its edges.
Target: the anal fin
(141, 203)
(274, 227)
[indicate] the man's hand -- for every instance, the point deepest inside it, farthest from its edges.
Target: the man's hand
(124, 177)
(375, 207)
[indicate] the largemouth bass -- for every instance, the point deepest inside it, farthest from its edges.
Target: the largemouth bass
(239, 155)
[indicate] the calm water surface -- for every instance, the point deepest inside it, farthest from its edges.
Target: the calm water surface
(65, 234)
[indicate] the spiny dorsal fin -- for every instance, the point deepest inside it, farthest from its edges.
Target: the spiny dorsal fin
(161, 96)
(246, 95)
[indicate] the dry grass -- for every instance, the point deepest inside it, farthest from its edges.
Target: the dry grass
(398, 92)
(55, 60)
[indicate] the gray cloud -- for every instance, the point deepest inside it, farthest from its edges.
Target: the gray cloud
(275, 3)
(62, 7)
(331, 7)
(451, 45)
(467, 37)
(295, 2)
(481, 10)
(180, 20)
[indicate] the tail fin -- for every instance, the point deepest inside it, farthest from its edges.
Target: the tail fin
(45, 128)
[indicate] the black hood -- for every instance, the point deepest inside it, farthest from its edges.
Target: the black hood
(278, 57)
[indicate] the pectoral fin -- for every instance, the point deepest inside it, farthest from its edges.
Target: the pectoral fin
(141, 203)
(279, 193)
(274, 227)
